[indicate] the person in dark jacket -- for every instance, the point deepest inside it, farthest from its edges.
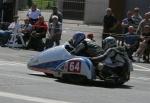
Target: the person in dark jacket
(110, 23)
(57, 13)
(38, 33)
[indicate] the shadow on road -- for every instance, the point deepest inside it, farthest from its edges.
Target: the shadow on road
(96, 84)
(87, 83)
(40, 75)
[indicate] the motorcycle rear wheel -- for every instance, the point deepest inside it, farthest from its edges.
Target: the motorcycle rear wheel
(49, 74)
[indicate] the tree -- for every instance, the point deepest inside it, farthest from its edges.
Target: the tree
(29, 3)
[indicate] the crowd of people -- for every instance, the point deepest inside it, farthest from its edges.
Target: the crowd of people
(35, 29)
(135, 32)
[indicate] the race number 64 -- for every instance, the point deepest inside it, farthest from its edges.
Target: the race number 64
(74, 66)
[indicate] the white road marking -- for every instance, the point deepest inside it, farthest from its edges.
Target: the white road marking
(141, 78)
(25, 77)
(11, 63)
(29, 98)
(142, 68)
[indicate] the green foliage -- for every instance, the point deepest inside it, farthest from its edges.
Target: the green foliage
(44, 4)
(29, 3)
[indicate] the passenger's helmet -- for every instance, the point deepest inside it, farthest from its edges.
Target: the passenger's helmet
(109, 42)
(78, 37)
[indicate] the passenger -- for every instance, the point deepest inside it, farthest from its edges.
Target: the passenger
(55, 31)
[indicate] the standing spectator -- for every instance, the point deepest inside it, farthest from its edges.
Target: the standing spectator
(131, 41)
(144, 44)
(26, 29)
(136, 17)
(128, 21)
(109, 23)
(145, 21)
(38, 33)
(55, 30)
(33, 14)
(57, 13)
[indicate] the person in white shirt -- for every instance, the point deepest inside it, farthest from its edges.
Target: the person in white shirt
(26, 29)
(14, 26)
(33, 14)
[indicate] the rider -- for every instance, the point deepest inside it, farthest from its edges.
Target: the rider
(113, 58)
(83, 46)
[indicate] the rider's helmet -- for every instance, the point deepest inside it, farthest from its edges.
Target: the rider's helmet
(78, 37)
(109, 42)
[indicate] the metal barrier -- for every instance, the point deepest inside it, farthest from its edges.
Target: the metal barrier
(118, 37)
(73, 9)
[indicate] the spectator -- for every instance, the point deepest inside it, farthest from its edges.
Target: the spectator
(26, 29)
(136, 17)
(145, 42)
(131, 41)
(55, 30)
(90, 36)
(145, 21)
(109, 23)
(128, 21)
(4, 35)
(15, 25)
(33, 14)
(57, 13)
(38, 33)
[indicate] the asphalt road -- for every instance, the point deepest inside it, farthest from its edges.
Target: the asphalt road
(20, 85)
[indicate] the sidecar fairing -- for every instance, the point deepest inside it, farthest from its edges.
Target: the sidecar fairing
(59, 62)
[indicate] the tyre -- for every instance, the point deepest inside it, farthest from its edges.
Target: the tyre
(77, 79)
(49, 74)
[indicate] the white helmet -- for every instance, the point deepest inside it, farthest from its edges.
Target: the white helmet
(109, 42)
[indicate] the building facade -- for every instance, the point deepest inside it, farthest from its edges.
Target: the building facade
(7, 10)
(94, 10)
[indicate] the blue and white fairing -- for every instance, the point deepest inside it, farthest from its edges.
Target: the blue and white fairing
(59, 61)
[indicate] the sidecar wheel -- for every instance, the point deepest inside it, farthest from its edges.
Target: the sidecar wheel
(49, 74)
(75, 79)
